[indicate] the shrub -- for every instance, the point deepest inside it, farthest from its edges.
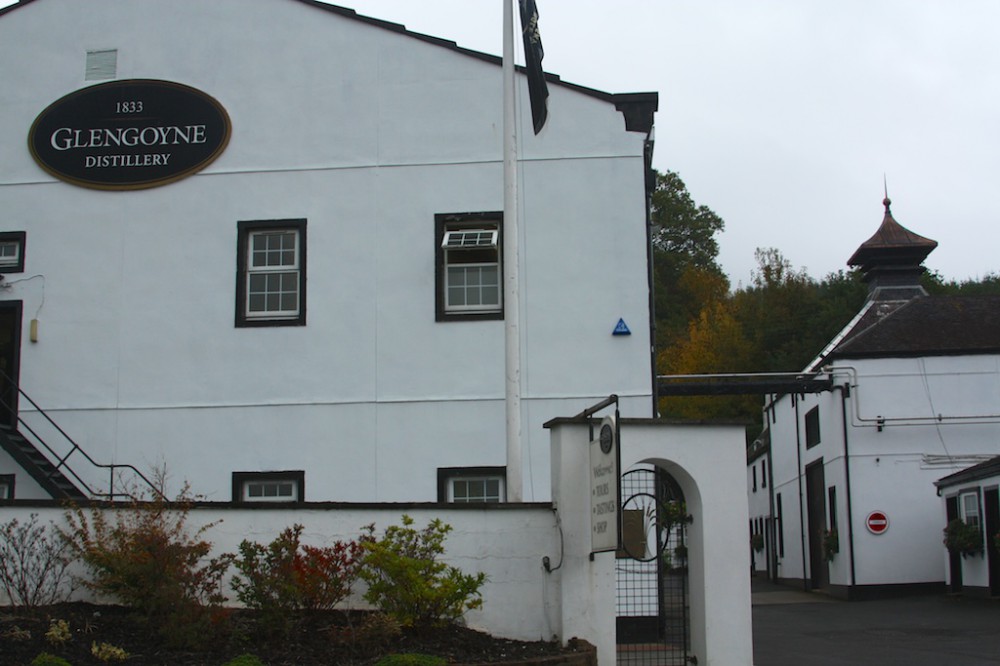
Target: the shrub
(32, 564)
(411, 659)
(58, 632)
(406, 579)
(146, 558)
(46, 659)
(960, 537)
(244, 660)
(107, 652)
(757, 542)
(380, 629)
(284, 575)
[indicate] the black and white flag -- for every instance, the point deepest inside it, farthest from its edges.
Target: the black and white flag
(538, 91)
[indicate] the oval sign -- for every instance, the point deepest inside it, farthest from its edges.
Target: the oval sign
(131, 134)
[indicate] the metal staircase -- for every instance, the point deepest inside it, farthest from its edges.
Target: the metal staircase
(47, 462)
(48, 476)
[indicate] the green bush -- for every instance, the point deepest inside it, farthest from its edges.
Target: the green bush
(145, 557)
(407, 581)
(411, 659)
(244, 660)
(46, 659)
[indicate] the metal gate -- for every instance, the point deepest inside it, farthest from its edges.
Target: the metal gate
(653, 627)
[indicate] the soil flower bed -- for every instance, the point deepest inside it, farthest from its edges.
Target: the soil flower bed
(332, 638)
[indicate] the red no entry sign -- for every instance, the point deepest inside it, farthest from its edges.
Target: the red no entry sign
(877, 522)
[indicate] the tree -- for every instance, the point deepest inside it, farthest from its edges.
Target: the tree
(935, 283)
(685, 230)
(716, 343)
(686, 275)
(779, 323)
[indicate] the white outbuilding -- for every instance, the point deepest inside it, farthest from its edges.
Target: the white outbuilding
(841, 482)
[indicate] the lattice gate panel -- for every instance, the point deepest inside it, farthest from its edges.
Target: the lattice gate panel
(653, 626)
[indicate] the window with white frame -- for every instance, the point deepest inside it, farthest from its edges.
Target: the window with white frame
(271, 273)
(464, 485)
(12, 251)
(968, 505)
(269, 486)
(469, 272)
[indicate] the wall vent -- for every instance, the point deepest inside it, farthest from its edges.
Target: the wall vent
(102, 64)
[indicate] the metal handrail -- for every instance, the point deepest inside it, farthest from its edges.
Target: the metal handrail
(62, 464)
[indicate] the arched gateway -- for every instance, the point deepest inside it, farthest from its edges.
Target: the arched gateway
(683, 497)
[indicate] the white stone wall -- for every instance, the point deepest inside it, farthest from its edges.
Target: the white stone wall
(367, 134)
(506, 544)
(708, 463)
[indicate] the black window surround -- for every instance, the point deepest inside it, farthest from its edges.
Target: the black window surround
(812, 428)
(446, 474)
(16, 264)
(6, 487)
(241, 479)
(245, 231)
(445, 222)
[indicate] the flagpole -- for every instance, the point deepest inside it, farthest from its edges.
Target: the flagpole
(511, 306)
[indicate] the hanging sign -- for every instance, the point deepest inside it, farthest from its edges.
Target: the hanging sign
(604, 488)
(130, 134)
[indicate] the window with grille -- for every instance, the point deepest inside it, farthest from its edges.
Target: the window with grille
(12, 251)
(271, 273)
(269, 486)
(472, 484)
(469, 268)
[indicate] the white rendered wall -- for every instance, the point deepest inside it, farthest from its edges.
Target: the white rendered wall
(366, 134)
(708, 463)
(506, 544)
(892, 469)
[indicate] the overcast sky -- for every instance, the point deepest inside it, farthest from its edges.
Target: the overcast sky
(783, 116)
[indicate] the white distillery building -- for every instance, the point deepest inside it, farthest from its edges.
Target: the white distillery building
(842, 480)
(259, 243)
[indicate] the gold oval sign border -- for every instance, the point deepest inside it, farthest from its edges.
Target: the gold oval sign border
(156, 182)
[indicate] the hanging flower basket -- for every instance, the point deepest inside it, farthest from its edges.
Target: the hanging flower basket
(962, 538)
(831, 544)
(757, 542)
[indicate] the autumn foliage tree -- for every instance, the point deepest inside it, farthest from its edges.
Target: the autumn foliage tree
(780, 322)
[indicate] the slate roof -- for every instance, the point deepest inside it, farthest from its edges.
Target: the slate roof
(926, 326)
(983, 470)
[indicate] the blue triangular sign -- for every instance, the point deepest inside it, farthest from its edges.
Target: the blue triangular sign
(621, 328)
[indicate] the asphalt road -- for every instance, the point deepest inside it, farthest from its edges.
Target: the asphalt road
(792, 628)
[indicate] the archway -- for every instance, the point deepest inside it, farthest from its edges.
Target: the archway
(707, 464)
